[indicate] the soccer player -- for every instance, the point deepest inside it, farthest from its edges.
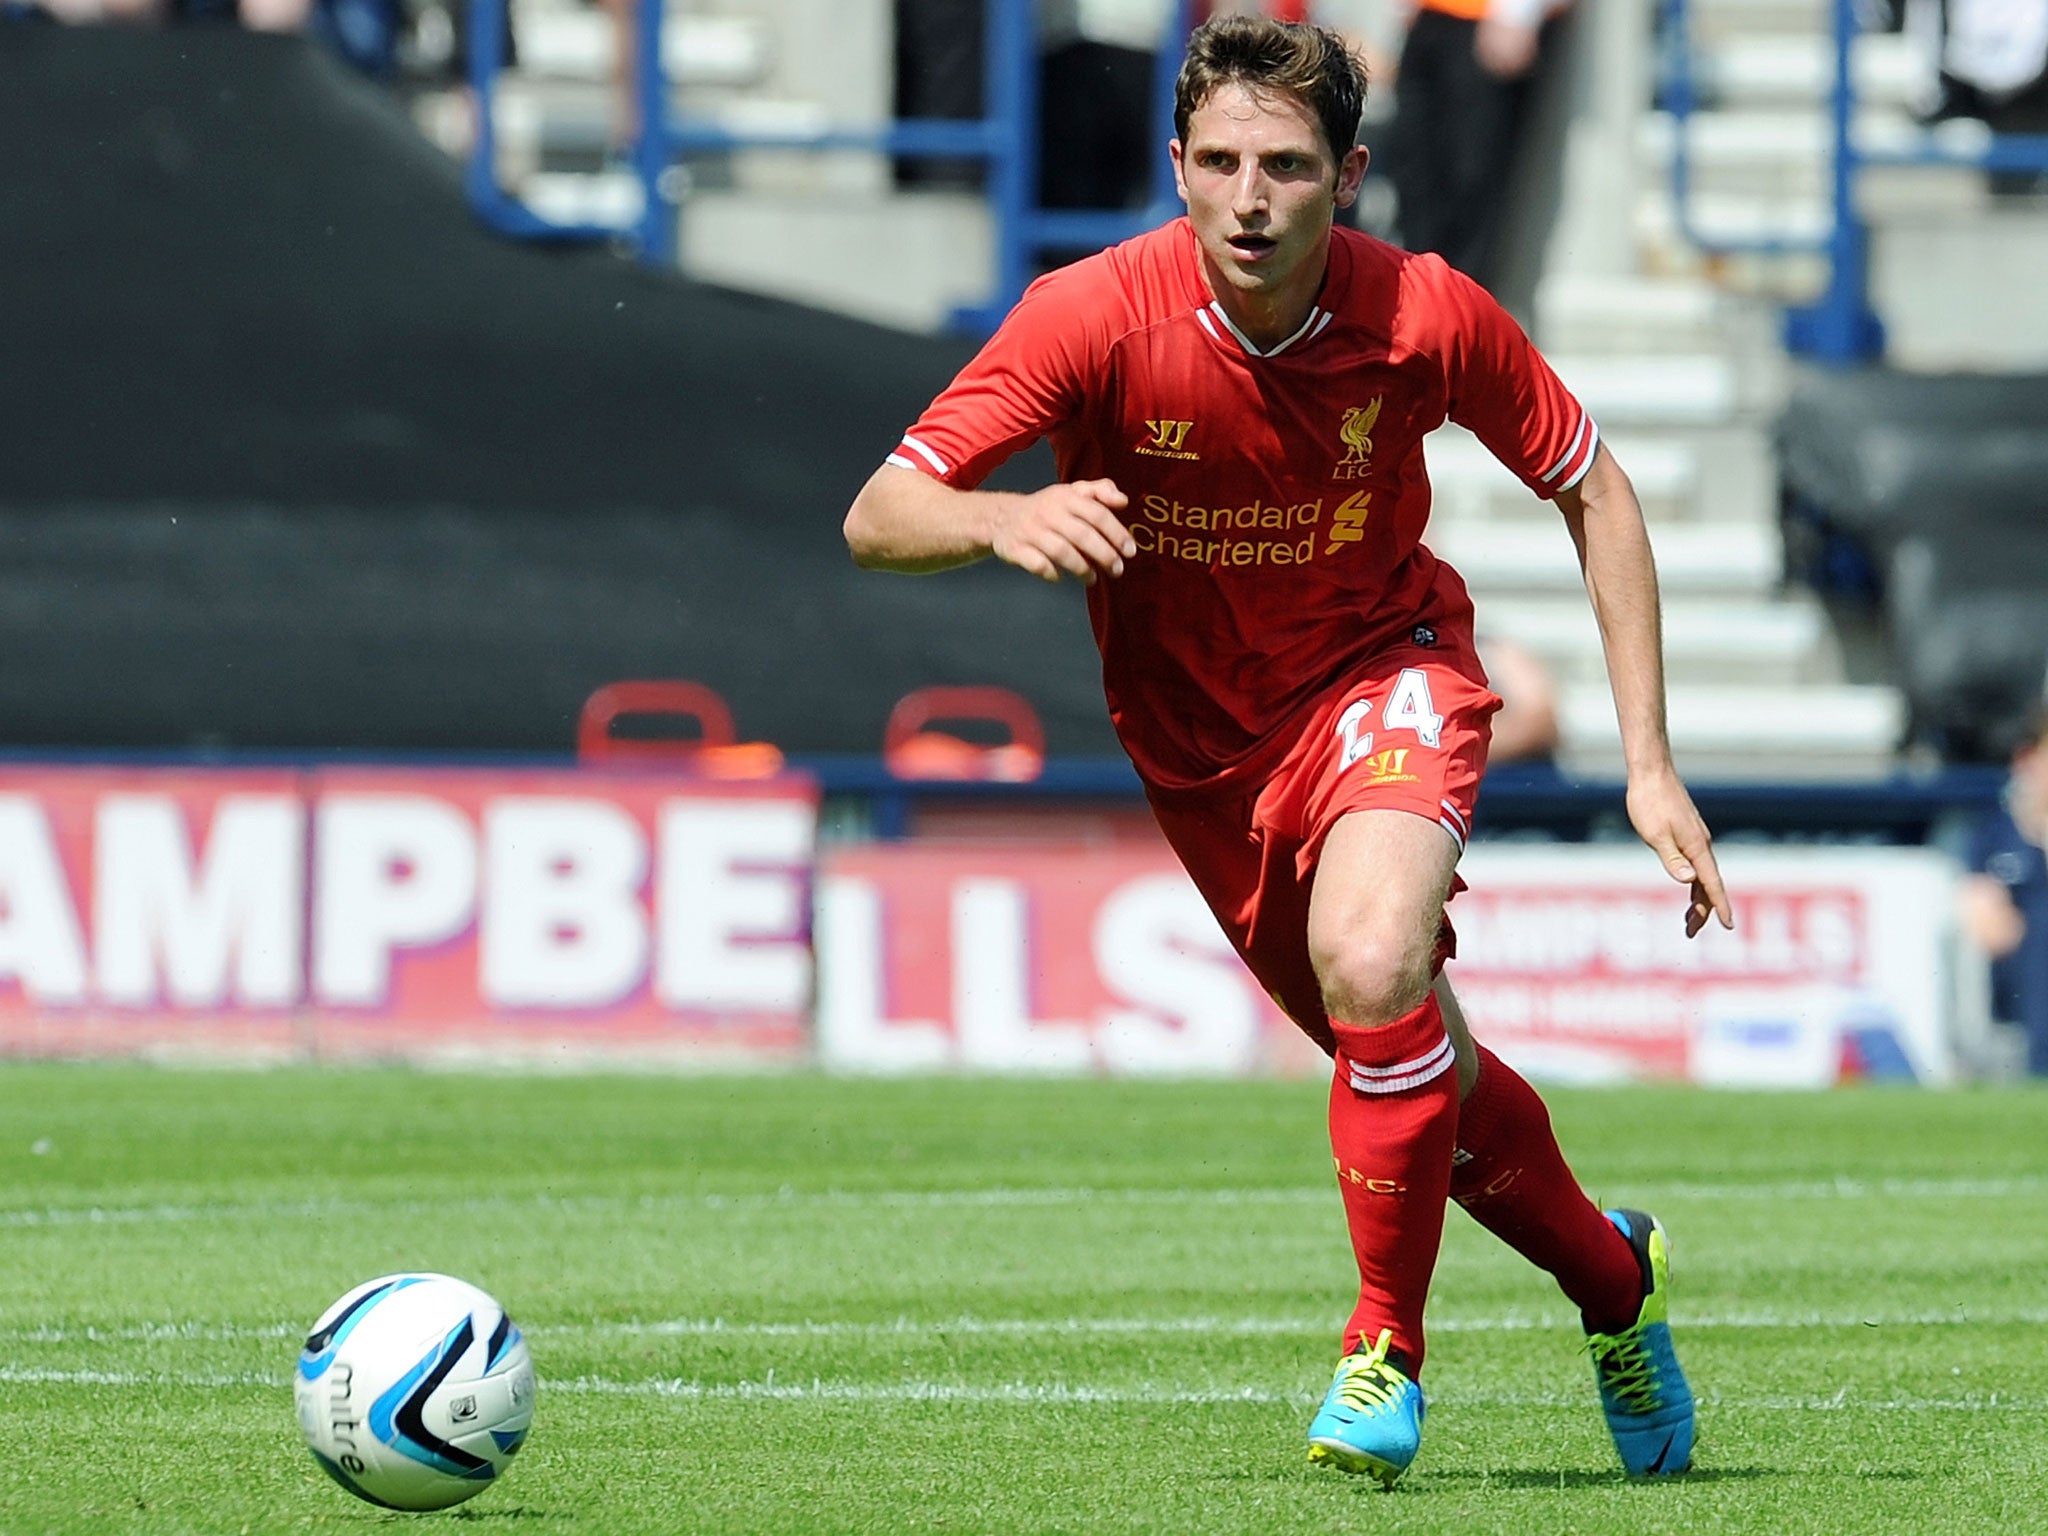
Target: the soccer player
(1237, 403)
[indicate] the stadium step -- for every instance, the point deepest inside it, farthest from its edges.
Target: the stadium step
(1500, 557)
(1771, 152)
(1685, 390)
(1713, 640)
(580, 43)
(1752, 69)
(1581, 313)
(1995, 321)
(1848, 731)
(1468, 481)
(1712, 20)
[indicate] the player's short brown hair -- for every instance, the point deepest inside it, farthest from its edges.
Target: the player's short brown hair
(1306, 62)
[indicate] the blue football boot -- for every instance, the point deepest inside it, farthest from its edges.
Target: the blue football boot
(1648, 1405)
(1372, 1419)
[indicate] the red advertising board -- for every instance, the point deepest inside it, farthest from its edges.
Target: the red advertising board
(570, 915)
(1573, 964)
(422, 913)
(1058, 958)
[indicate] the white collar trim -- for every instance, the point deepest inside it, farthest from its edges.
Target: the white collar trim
(1310, 329)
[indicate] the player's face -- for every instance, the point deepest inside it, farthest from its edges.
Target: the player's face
(1262, 186)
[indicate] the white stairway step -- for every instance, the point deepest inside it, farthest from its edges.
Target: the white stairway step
(1782, 149)
(1757, 732)
(1577, 312)
(1759, 68)
(1736, 218)
(1712, 640)
(1714, 19)
(1695, 389)
(580, 44)
(1733, 469)
(1501, 556)
(1468, 481)
(1681, 474)
(609, 199)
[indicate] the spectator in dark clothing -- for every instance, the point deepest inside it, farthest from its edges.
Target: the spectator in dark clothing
(1468, 74)
(2005, 895)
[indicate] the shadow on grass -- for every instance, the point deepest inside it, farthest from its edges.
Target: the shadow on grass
(1558, 1478)
(516, 1512)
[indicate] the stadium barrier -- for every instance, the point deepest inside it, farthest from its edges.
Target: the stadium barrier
(1005, 139)
(597, 915)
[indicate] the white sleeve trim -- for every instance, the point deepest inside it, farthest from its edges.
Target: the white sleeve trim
(1577, 459)
(926, 454)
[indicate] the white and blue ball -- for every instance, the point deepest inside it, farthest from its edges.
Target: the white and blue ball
(415, 1391)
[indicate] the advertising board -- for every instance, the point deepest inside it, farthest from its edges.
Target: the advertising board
(1573, 964)
(419, 913)
(516, 916)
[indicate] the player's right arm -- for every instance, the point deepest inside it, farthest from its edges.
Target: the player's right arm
(923, 510)
(906, 521)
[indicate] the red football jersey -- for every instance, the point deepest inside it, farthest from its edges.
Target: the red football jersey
(1277, 499)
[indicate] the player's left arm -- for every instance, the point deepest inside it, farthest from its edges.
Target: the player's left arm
(1606, 524)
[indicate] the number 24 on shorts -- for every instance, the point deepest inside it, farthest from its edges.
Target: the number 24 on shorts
(1407, 709)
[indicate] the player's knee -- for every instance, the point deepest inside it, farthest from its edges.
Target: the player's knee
(1371, 978)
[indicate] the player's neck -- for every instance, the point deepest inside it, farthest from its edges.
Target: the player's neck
(1267, 318)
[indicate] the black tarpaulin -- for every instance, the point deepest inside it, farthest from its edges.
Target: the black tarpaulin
(294, 454)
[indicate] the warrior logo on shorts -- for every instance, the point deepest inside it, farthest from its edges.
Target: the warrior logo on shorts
(1356, 435)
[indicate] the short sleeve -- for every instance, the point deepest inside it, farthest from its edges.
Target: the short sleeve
(1031, 378)
(1992, 843)
(1506, 393)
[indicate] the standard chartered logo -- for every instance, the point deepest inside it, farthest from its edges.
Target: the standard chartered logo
(1256, 533)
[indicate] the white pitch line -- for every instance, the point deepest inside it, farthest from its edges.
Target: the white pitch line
(940, 1199)
(37, 1376)
(1252, 1327)
(1055, 1393)
(1049, 1394)
(1041, 1328)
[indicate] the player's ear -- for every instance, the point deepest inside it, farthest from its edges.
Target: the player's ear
(1350, 172)
(1180, 175)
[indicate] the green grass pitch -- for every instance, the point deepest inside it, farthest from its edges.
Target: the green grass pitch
(799, 1304)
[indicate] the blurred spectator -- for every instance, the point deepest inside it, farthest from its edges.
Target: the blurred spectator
(1991, 57)
(1467, 76)
(1989, 60)
(1525, 729)
(2004, 897)
(363, 32)
(1096, 106)
(1096, 133)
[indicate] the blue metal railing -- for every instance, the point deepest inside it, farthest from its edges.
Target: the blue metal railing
(1840, 327)
(1520, 799)
(1005, 139)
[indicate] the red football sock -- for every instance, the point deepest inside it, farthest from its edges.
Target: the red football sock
(1513, 1180)
(1393, 1127)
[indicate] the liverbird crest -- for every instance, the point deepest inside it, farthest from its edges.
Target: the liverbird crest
(1357, 429)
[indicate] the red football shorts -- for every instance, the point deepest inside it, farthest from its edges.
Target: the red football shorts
(1408, 735)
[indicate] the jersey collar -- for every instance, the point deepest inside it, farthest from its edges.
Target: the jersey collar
(1209, 310)
(1213, 317)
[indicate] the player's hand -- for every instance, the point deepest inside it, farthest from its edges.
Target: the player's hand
(1664, 816)
(1065, 529)
(1506, 50)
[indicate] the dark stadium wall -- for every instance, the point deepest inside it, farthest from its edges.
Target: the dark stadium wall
(294, 455)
